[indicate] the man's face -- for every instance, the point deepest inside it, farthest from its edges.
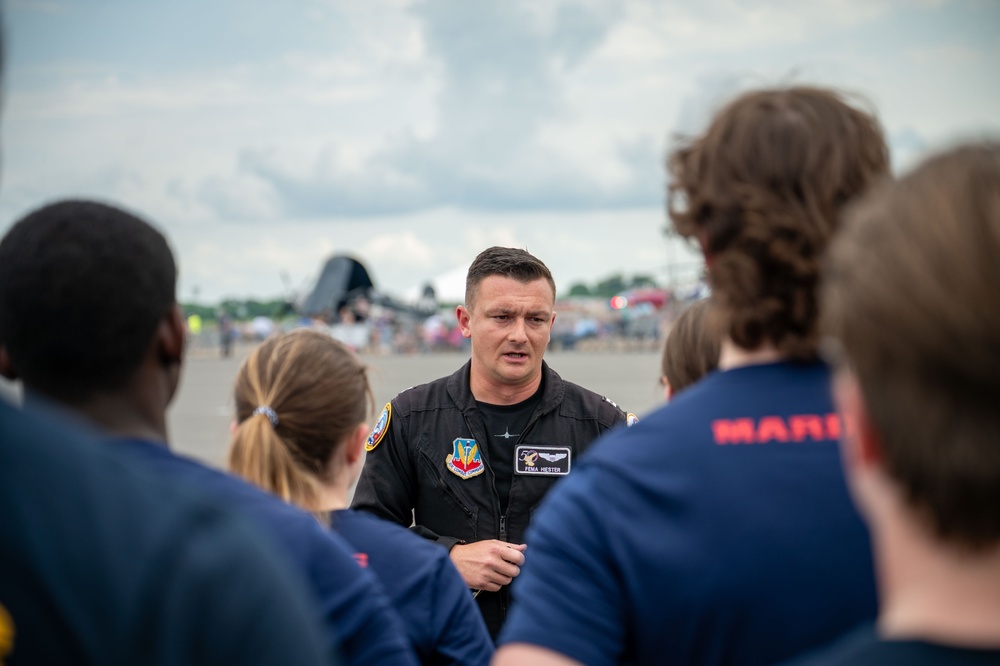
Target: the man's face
(509, 324)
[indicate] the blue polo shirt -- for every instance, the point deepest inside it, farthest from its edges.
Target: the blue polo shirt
(443, 622)
(718, 530)
(103, 563)
(354, 608)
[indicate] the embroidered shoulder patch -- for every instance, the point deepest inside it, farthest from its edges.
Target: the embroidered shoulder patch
(631, 419)
(381, 426)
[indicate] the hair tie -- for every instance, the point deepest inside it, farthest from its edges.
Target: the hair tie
(271, 415)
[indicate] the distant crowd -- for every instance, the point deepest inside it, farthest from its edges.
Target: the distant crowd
(820, 487)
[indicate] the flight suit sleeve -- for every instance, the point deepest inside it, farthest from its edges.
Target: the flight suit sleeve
(388, 482)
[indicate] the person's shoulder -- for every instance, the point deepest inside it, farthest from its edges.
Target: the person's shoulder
(669, 436)
(361, 526)
(863, 647)
(582, 403)
(420, 396)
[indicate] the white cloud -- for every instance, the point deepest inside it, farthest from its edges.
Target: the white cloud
(416, 134)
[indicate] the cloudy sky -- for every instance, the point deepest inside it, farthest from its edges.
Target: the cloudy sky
(264, 136)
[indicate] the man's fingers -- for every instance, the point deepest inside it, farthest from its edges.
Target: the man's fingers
(513, 556)
(506, 569)
(498, 580)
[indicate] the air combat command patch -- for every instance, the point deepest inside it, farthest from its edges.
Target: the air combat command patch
(465, 460)
(381, 426)
(631, 419)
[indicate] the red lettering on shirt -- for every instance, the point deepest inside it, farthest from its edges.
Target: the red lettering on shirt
(833, 429)
(733, 431)
(795, 428)
(806, 425)
(361, 559)
(772, 428)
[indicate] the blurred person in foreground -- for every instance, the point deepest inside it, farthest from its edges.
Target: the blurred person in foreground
(691, 349)
(912, 305)
(719, 529)
(89, 321)
(101, 563)
(469, 456)
(302, 400)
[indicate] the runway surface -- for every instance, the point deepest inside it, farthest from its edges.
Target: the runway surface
(201, 414)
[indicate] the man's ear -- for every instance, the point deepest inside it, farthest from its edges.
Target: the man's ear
(464, 317)
(356, 443)
(6, 365)
(861, 444)
(170, 337)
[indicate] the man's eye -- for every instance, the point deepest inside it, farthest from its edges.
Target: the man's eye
(501, 317)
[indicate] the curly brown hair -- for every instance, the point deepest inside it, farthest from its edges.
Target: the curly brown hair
(762, 191)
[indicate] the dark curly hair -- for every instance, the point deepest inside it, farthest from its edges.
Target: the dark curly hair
(762, 192)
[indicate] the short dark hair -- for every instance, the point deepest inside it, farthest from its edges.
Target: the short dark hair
(83, 286)
(509, 262)
(910, 293)
(762, 192)
(691, 349)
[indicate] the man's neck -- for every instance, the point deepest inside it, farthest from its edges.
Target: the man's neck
(115, 414)
(732, 355)
(934, 590)
(502, 394)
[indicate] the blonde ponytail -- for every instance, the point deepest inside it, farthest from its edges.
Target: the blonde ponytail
(257, 454)
(298, 397)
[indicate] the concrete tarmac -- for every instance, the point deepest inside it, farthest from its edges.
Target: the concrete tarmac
(200, 417)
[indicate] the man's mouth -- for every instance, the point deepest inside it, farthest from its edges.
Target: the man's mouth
(515, 355)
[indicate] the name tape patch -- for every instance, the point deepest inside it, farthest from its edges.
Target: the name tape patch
(542, 460)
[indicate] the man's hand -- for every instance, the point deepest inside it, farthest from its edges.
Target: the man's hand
(488, 565)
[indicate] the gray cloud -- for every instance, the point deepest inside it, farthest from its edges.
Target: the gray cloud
(501, 92)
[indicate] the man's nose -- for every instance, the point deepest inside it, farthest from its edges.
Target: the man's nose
(518, 331)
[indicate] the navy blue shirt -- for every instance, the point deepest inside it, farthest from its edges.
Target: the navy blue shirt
(865, 647)
(352, 603)
(718, 530)
(102, 563)
(442, 620)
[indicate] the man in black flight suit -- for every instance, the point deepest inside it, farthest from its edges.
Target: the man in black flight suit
(468, 457)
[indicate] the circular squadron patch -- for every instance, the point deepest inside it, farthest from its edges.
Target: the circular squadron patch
(631, 419)
(381, 426)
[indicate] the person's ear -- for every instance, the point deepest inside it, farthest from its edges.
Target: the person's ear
(860, 442)
(170, 337)
(6, 365)
(668, 391)
(464, 317)
(356, 443)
